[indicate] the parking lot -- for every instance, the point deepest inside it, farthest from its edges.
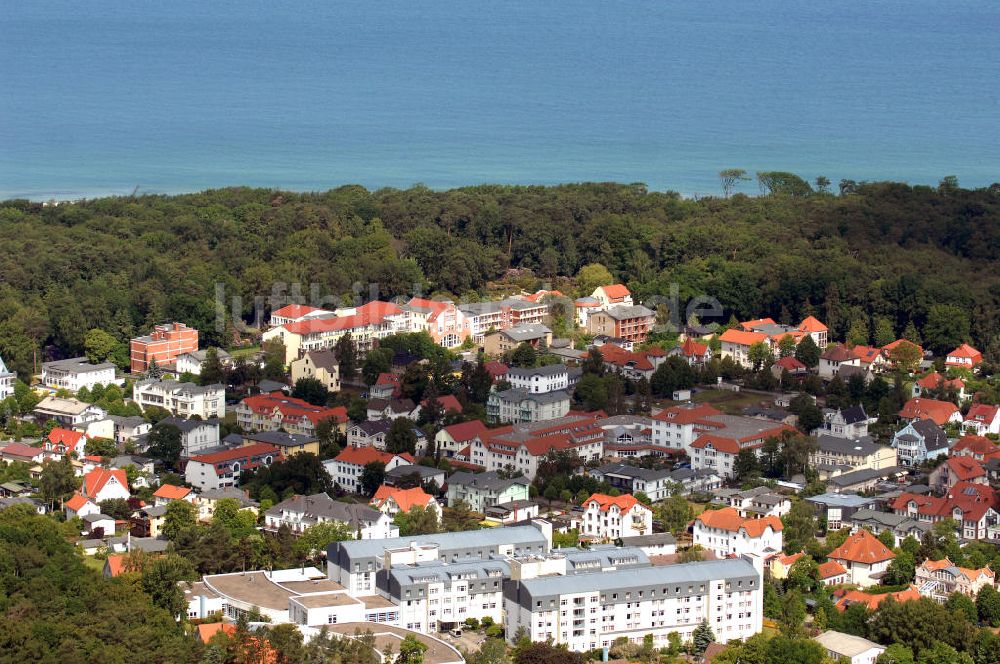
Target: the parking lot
(469, 641)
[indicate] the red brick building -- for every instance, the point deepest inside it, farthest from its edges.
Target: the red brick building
(164, 345)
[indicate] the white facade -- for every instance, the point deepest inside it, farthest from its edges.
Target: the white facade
(191, 362)
(610, 518)
(181, 399)
(588, 611)
(519, 405)
(7, 379)
(725, 533)
(346, 470)
(855, 649)
(75, 373)
(540, 380)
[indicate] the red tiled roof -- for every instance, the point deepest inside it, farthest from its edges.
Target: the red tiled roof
(496, 369)
(238, 453)
(888, 348)
(294, 311)
(448, 403)
(316, 325)
(788, 561)
(406, 499)
(729, 519)
(96, 479)
(934, 381)
(387, 379)
(616, 291)
(862, 547)
(171, 492)
(77, 502)
(70, 439)
(686, 414)
(720, 443)
(830, 569)
(377, 310)
(292, 408)
(116, 563)
(624, 502)
(789, 363)
(21, 450)
(918, 408)
(976, 445)
(812, 324)
(972, 499)
(981, 412)
(620, 357)
(866, 354)
(965, 351)
(464, 431)
(361, 456)
(965, 468)
(691, 348)
(872, 601)
(750, 324)
(742, 338)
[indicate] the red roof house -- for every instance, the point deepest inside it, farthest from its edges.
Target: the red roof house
(940, 412)
(965, 356)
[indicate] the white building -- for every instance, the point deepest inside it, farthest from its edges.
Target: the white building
(678, 426)
(854, 649)
(609, 518)
(75, 373)
(301, 512)
(864, 557)
(632, 479)
(71, 412)
(482, 490)
(345, 470)
(725, 532)
(191, 362)
(196, 435)
(519, 405)
(181, 399)
(218, 470)
(539, 380)
(588, 611)
(7, 379)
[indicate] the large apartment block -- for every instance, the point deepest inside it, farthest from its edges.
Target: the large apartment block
(588, 611)
(164, 345)
(181, 399)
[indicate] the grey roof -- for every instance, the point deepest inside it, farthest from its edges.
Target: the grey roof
(626, 470)
(526, 332)
(155, 510)
(888, 520)
(394, 405)
(547, 370)
(436, 572)
(648, 577)
(602, 557)
(91, 518)
(201, 355)
(228, 492)
(410, 469)
(187, 426)
(373, 427)
(280, 438)
(934, 436)
(864, 475)
(489, 481)
(267, 385)
(463, 539)
(845, 645)
(512, 505)
(77, 365)
(623, 312)
(518, 394)
(148, 544)
(322, 505)
(129, 460)
(323, 359)
(841, 500)
(739, 426)
(131, 421)
(854, 447)
(653, 539)
(177, 386)
(854, 414)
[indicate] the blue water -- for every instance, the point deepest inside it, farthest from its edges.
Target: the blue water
(101, 97)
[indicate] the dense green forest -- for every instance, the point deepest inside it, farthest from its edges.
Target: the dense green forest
(876, 256)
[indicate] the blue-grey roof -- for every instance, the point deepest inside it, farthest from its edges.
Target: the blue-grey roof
(457, 540)
(649, 577)
(841, 500)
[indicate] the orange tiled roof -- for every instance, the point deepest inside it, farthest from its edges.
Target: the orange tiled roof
(466, 430)
(116, 563)
(742, 338)
(729, 519)
(862, 547)
(888, 348)
(624, 502)
(406, 499)
(977, 445)
(873, 601)
(691, 348)
(812, 324)
(685, 414)
(750, 324)
(918, 408)
(60, 436)
(981, 412)
(362, 456)
(76, 502)
(238, 453)
(294, 311)
(788, 561)
(830, 569)
(171, 492)
(616, 291)
(96, 479)
(966, 351)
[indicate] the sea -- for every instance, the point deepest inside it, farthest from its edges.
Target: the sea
(116, 96)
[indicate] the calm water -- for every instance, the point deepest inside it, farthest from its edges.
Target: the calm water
(101, 97)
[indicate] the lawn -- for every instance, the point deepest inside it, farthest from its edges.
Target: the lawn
(95, 564)
(732, 403)
(244, 352)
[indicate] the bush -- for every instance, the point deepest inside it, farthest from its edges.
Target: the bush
(472, 623)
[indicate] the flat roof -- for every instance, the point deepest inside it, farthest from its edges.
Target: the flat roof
(253, 588)
(376, 602)
(320, 600)
(462, 539)
(712, 570)
(438, 652)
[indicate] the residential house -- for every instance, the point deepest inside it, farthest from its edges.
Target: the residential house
(63, 442)
(717, 449)
(677, 427)
(192, 362)
(366, 324)
(218, 470)
(68, 412)
(482, 490)
(781, 565)
(539, 380)
(103, 484)
(584, 306)
(726, 533)
(972, 506)
(901, 526)
(696, 481)
(80, 506)
(301, 512)
(21, 453)
(939, 579)
(386, 387)
(838, 508)
(982, 419)
(391, 409)
(455, 437)
(515, 511)
(832, 573)
(872, 601)
(866, 479)
(854, 649)
(834, 453)
(445, 322)
(98, 524)
(941, 412)
(615, 294)
(7, 380)
(887, 350)
(519, 405)
(976, 447)
(181, 399)
(320, 365)
(963, 357)
(129, 428)
(816, 329)
(370, 433)
(410, 475)
(760, 501)
(392, 500)
(694, 353)
(273, 411)
(609, 518)
(346, 468)
(630, 322)
(919, 441)
(656, 484)
(76, 373)
(498, 342)
(168, 493)
(522, 447)
(935, 383)
(864, 557)
(736, 343)
(206, 501)
(196, 435)
(957, 469)
(630, 364)
(851, 422)
(793, 366)
(162, 346)
(289, 443)
(834, 358)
